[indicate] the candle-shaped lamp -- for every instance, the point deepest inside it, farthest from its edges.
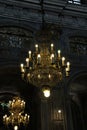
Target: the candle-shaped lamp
(49, 76)
(22, 67)
(59, 52)
(28, 117)
(36, 46)
(52, 47)
(27, 62)
(29, 54)
(68, 66)
(67, 72)
(59, 114)
(63, 61)
(38, 59)
(52, 58)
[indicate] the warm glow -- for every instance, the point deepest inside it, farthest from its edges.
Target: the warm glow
(52, 56)
(36, 46)
(27, 61)
(46, 67)
(68, 63)
(52, 47)
(16, 109)
(46, 92)
(28, 74)
(39, 76)
(22, 65)
(49, 76)
(39, 56)
(29, 54)
(68, 66)
(59, 53)
(63, 61)
(15, 127)
(67, 73)
(59, 111)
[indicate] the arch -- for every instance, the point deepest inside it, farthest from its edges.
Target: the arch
(18, 23)
(76, 76)
(67, 34)
(77, 92)
(78, 45)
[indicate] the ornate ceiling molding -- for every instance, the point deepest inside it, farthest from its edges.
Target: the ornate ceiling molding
(55, 12)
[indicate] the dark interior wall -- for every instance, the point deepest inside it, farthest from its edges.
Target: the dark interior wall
(78, 94)
(84, 107)
(76, 115)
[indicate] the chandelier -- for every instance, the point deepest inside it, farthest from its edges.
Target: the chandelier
(45, 68)
(16, 118)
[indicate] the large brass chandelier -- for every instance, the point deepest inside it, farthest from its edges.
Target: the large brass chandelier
(16, 117)
(45, 68)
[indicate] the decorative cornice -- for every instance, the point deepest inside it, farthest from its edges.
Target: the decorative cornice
(49, 6)
(73, 15)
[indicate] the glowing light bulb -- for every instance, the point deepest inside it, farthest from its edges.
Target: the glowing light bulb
(59, 111)
(46, 92)
(15, 127)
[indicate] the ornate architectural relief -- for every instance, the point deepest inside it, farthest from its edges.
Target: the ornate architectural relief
(78, 45)
(14, 37)
(13, 40)
(30, 11)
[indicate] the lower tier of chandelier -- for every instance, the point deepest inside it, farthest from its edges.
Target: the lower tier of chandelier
(44, 76)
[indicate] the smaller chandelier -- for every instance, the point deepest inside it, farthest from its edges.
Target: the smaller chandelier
(45, 68)
(16, 118)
